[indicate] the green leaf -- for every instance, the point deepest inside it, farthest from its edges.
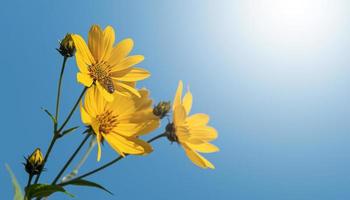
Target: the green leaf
(70, 130)
(82, 182)
(43, 190)
(50, 115)
(16, 186)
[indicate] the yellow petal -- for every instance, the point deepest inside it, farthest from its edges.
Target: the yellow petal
(205, 133)
(82, 65)
(95, 126)
(179, 115)
(203, 147)
(129, 88)
(135, 74)
(177, 99)
(124, 144)
(198, 119)
(106, 95)
(127, 129)
(197, 159)
(95, 40)
(120, 51)
(84, 79)
(83, 49)
(187, 102)
(127, 63)
(85, 117)
(121, 104)
(147, 148)
(94, 103)
(149, 127)
(108, 41)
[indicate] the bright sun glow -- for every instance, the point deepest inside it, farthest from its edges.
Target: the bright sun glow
(291, 23)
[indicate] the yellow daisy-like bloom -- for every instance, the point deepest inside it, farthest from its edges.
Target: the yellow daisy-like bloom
(108, 67)
(191, 132)
(121, 121)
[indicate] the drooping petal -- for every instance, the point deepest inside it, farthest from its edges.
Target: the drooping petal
(120, 51)
(177, 99)
(135, 74)
(203, 147)
(187, 102)
(124, 144)
(198, 119)
(197, 159)
(95, 42)
(83, 50)
(126, 63)
(106, 95)
(129, 88)
(84, 79)
(147, 148)
(95, 126)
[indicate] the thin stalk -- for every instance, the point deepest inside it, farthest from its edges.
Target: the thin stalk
(55, 133)
(46, 156)
(72, 111)
(59, 90)
(29, 180)
(28, 184)
(71, 159)
(107, 164)
(76, 169)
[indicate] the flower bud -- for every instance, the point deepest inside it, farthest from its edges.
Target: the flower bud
(162, 109)
(170, 133)
(67, 48)
(34, 163)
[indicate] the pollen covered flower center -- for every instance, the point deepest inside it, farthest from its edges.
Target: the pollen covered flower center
(107, 121)
(101, 72)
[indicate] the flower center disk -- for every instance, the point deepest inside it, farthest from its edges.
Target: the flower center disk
(100, 72)
(107, 121)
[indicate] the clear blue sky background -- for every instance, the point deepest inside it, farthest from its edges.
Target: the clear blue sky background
(281, 107)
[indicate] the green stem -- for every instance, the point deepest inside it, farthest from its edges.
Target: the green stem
(59, 91)
(29, 180)
(46, 156)
(72, 111)
(28, 184)
(55, 135)
(71, 159)
(107, 164)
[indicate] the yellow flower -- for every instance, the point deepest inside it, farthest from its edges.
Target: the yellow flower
(108, 67)
(34, 162)
(121, 121)
(191, 132)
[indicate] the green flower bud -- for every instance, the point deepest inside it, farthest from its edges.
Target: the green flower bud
(34, 162)
(162, 109)
(170, 133)
(67, 48)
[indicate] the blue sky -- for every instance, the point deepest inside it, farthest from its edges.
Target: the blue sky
(273, 76)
